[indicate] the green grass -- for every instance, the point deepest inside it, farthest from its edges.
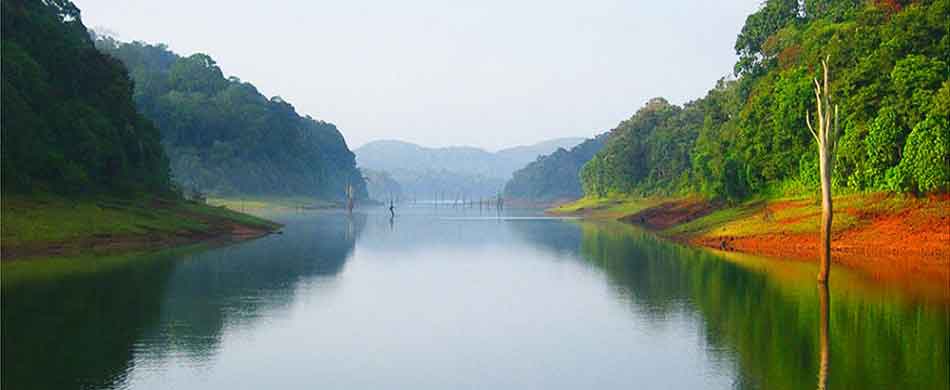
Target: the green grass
(799, 214)
(36, 220)
(612, 207)
(787, 214)
(227, 213)
(250, 204)
(715, 219)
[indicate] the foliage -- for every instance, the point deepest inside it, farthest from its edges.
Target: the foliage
(554, 176)
(748, 136)
(883, 145)
(225, 138)
(65, 133)
(647, 153)
(925, 166)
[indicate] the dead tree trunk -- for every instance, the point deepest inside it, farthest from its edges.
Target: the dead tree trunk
(825, 136)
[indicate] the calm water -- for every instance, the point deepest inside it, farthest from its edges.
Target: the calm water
(450, 299)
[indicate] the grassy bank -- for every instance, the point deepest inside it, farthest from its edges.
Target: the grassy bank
(42, 226)
(605, 208)
(255, 203)
(887, 235)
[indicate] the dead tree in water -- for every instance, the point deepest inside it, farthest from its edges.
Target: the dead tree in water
(825, 136)
(349, 198)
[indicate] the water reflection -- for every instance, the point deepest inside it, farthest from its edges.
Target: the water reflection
(77, 331)
(766, 320)
(438, 301)
(90, 329)
(824, 334)
(237, 286)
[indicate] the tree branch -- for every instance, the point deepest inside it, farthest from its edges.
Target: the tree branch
(810, 129)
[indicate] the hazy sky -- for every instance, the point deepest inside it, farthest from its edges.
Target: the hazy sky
(485, 73)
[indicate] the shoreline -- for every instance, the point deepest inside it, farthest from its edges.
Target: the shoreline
(50, 227)
(886, 236)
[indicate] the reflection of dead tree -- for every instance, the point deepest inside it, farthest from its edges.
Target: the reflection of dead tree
(824, 336)
(825, 137)
(349, 197)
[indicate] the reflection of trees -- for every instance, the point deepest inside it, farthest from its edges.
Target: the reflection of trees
(235, 286)
(86, 330)
(79, 331)
(770, 325)
(555, 236)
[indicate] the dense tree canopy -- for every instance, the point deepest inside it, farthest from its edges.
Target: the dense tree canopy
(890, 78)
(646, 153)
(554, 176)
(68, 120)
(224, 137)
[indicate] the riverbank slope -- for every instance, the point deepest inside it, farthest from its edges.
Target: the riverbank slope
(885, 235)
(44, 226)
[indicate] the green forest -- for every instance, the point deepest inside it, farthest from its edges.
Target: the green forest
(747, 136)
(63, 133)
(554, 176)
(223, 137)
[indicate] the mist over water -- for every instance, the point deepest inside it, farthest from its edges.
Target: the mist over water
(443, 297)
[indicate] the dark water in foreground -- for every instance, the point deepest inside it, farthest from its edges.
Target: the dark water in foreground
(454, 300)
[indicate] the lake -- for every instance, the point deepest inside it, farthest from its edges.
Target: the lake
(442, 298)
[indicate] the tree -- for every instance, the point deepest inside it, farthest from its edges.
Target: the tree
(68, 120)
(225, 138)
(825, 137)
(758, 27)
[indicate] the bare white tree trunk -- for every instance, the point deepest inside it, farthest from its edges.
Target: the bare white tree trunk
(825, 136)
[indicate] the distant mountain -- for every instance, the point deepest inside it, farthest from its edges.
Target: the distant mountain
(454, 171)
(554, 176)
(530, 153)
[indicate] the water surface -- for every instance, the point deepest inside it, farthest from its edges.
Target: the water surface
(448, 298)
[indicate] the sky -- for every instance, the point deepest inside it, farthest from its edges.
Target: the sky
(483, 73)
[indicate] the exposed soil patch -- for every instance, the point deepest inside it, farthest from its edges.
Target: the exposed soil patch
(888, 237)
(669, 214)
(907, 243)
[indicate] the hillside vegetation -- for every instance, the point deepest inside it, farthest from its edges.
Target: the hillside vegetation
(223, 137)
(747, 136)
(554, 176)
(64, 133)
(84, 173)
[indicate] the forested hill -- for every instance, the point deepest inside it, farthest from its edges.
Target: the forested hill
(224, 137)
(451, 172)
(68, 121)
(393, 155)
(889, 76)
(554, 176)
